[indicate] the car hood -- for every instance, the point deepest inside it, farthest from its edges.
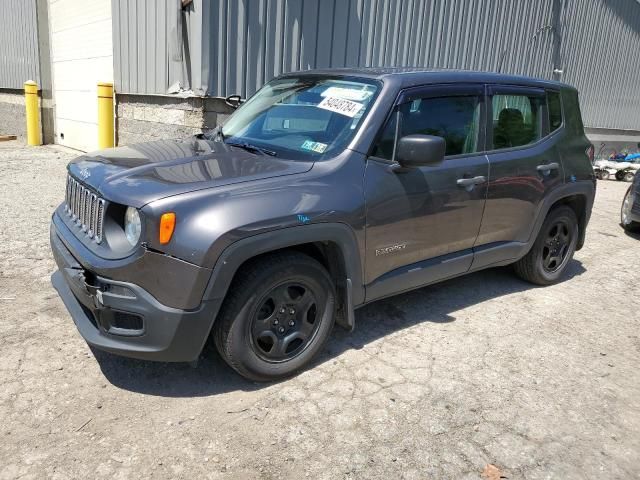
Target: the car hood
(138, 174)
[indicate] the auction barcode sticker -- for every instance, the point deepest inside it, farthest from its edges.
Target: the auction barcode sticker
(341, 106)
(348, 93)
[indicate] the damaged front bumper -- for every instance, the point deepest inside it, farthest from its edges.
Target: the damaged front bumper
(122, 317)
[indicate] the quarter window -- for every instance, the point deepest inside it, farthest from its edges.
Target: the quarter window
(515, 120)
(456, 119)
(555, 111)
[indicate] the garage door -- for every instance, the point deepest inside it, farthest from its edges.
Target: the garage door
(82, 56)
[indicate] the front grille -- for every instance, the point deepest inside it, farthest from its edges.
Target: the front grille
(85, 208)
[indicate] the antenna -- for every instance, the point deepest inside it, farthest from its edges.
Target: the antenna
(540, 30)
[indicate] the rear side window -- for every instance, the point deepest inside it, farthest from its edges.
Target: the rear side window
(455, 118)
(555, 111)
(515, 120)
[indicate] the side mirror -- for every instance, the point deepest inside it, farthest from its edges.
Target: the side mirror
(234, 101)
(420, 150)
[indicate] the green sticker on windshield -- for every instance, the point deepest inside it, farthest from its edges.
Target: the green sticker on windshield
(314, 146)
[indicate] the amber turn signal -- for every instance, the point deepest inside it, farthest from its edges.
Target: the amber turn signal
(167, 225)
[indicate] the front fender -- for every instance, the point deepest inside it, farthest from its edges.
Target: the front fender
(242, 250)
(209, 221)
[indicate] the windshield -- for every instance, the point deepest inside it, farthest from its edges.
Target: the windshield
(302, 117)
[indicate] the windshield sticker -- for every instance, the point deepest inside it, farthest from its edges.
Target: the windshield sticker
(314, 146)
(341, 106)
(347, 93)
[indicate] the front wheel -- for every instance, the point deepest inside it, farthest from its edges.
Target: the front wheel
(553, 249)
(276, 317)
(629, 176)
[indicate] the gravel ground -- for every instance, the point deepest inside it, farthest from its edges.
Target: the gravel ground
(437, 383)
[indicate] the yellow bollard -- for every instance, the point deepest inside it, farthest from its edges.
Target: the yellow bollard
(105, 115)
(33, 117)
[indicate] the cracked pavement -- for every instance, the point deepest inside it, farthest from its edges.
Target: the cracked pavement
(435, 383)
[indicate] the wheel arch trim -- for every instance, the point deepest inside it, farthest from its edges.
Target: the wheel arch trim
(585, 189)
(242, 250)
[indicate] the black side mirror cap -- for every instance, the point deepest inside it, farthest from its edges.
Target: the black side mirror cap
(420, 150)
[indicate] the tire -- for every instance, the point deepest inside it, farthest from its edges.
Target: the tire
(626, 222)
(620, 175)
(605, 175)
(553, 249)
(628, 176)
(278, 314)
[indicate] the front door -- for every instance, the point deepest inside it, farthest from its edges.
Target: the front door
(421, 223)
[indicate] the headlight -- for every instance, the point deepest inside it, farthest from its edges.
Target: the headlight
(132, 225)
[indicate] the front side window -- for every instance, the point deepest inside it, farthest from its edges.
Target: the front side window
(306, 116)
(515, 120)
(454, 118)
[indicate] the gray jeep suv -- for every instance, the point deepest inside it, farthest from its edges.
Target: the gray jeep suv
(326, 190)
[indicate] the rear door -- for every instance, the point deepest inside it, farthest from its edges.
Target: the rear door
(524, 163)
(430, 213)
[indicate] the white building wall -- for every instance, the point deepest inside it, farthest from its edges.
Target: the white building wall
(81, 56)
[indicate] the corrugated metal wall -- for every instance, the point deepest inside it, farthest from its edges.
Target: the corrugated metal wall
(601, 57)
(254, 40)
(234, 46)
(18, 43)
(156, 43)
(140, 45)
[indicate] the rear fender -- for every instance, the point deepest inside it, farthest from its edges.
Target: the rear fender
(586, 189)
(505, 253)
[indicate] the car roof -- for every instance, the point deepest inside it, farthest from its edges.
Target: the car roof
(410, 76)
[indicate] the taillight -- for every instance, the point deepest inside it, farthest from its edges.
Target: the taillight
(590, 152)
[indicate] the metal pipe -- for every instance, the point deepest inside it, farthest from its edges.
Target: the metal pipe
(32, 111)
(105, 115)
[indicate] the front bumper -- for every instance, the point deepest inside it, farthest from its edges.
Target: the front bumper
(122, 317)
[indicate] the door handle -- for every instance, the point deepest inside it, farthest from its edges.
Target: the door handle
(547, 167)
(469, 182)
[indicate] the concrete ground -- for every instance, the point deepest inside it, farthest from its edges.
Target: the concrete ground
(437, 383)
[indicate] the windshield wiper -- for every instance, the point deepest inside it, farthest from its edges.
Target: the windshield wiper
(252, 148)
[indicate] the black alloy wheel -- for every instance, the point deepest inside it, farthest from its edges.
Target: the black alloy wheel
(553, 248)
(277, 315)
(285, 322)
(556, 246)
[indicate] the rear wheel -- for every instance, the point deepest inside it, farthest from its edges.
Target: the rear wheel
(278, 314)
(553, 249)
(625, 212)
(628, 176)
